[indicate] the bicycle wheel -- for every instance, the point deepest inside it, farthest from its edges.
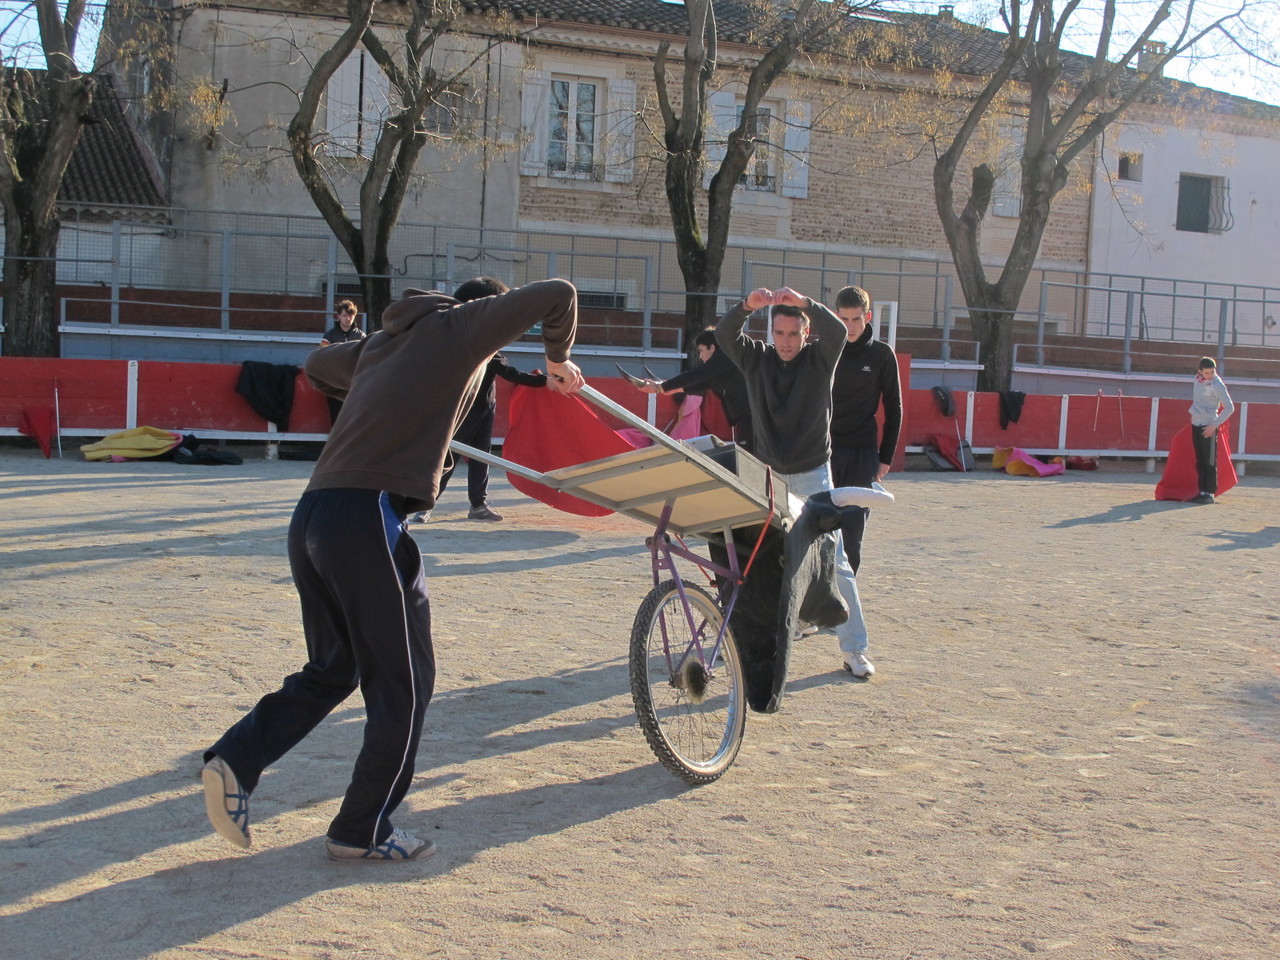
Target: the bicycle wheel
(692, 715)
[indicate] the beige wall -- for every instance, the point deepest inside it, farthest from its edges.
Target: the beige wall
(878, 202)
(263, 57)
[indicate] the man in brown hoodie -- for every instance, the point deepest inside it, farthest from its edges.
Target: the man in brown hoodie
(357, 570)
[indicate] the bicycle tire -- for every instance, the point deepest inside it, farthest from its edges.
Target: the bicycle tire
(693, 718)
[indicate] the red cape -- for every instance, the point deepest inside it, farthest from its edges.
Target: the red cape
(1180, 480)
(549, 431)
(38, 422)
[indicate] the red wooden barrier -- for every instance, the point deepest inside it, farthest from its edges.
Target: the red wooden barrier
(91, 393)
(94, 399)
(1110, 424)
(202, 396)
(1263, 433)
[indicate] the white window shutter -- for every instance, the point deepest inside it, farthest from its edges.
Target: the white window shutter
(795, 145)
(722, 117)
(375, 104)
(620, 145)
(533, 123)
(342, 106)
(1006, 198)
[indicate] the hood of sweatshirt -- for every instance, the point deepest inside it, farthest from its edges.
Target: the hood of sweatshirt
(412, 306)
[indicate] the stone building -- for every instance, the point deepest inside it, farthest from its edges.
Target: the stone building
(547, 157)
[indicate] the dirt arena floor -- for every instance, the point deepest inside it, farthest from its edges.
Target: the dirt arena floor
(1071, 748)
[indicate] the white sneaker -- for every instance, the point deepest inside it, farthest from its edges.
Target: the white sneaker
(859, 665)
(399, 845)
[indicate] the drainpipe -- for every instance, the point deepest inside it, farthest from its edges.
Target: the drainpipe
(1088, 221)
(484, 142)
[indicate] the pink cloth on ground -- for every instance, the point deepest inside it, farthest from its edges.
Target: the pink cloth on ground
(1019, 463)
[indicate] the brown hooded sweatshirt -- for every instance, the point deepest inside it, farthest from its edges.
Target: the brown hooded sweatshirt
(406, 387)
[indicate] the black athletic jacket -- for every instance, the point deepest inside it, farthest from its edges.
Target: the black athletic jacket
(867, 371)
(487, 397)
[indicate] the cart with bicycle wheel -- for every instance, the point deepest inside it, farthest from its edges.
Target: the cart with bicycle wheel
(686, 671)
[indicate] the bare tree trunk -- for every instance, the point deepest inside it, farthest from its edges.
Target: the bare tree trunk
(701, 257)
(399, 140)
(701, 300)
(994, 332)
(1063, 120)
(40, 123)
(701, 277)
(375, 284)
(30, 273)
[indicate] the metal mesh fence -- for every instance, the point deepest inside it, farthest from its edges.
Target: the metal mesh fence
(1183, 311)
(632, 289)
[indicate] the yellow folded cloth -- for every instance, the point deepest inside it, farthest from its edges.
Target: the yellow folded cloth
(140, 443)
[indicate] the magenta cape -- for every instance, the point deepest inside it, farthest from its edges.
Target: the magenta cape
(1022, 464)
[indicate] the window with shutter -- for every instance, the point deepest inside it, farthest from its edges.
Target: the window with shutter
(780, 162)
(578, 128)
(572, 146)
(1204, 204)
(357, 101)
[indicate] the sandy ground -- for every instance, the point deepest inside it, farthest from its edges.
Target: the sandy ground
(1071, 747)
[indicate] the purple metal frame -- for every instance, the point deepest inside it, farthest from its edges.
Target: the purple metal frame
(662, 554)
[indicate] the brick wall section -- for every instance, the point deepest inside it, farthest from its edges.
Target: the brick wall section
(887, 197)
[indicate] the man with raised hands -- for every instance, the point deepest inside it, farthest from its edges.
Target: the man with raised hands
(789, 388)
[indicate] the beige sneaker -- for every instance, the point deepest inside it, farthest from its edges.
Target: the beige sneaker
(226, 804)
(400, 845)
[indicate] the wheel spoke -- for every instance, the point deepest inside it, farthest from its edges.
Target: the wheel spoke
(692, 714)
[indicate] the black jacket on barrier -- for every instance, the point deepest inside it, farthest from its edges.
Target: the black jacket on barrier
(268, 387)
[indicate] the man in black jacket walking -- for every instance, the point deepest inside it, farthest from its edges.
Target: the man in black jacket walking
(866, 374)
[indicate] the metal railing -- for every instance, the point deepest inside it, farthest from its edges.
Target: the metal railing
(1150, 316)
(232, 255)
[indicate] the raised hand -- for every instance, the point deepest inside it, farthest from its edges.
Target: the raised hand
(786, 297)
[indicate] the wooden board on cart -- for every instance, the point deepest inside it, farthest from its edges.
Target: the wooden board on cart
(710, 487)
